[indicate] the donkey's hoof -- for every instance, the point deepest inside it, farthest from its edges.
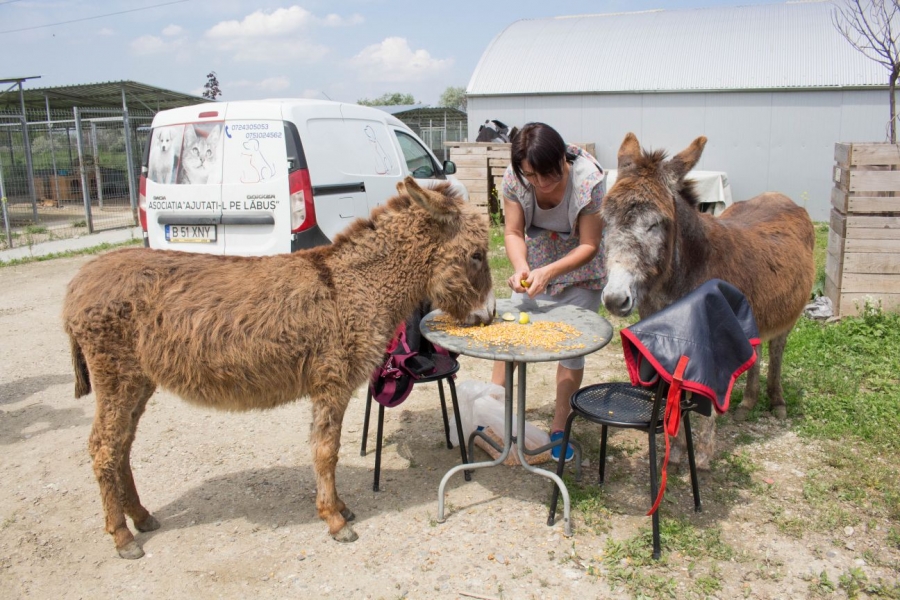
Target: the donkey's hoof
(780, 413)
(740, 414)
(348, 514)
(131, 550)
(345, 535)
(148, 524)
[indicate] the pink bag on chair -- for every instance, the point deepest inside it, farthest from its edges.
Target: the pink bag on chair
(391, 382)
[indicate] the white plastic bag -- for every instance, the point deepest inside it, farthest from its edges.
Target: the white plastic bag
(467, 392)
(488, 413)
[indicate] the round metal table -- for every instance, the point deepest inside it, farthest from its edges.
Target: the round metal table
(593, 332)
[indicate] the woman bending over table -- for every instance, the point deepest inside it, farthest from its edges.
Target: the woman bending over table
(553, 235)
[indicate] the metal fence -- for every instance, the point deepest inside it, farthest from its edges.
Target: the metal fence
(65, 174)
(435, 132)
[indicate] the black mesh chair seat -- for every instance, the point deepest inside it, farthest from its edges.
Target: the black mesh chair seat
(445, 367)
(616, 405)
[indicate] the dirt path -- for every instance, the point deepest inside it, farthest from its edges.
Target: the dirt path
(235, 495)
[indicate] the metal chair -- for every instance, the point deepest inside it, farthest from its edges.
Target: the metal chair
(622, 405)
(690, 352)
(445, 368)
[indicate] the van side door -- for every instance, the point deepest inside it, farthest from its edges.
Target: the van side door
(376, 159)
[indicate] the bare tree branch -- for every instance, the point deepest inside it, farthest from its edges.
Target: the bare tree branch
(873, 28)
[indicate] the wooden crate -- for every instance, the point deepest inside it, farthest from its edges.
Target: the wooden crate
(863, 258)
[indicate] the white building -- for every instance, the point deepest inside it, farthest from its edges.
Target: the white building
(773, 87)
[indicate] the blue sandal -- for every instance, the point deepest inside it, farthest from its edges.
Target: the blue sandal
(557, 436)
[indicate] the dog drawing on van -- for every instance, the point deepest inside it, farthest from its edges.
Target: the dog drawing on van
(256, 168)
(163, 150)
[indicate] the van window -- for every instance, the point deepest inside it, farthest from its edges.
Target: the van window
(296, 157)
(418, 160)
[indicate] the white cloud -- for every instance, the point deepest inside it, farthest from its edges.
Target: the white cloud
(334, 20)
(394, 61)
(173, 30)
(106, 32)
(275, 36)
(148, 44)
(313, 95)
(275, 84)
(271, 84)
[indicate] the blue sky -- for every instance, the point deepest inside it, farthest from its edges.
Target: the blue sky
(338, 49)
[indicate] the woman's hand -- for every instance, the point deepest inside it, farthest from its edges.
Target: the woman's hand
(537, 281)
(516, 279)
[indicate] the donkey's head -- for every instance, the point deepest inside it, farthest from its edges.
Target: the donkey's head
(639, 219)
(460, 281)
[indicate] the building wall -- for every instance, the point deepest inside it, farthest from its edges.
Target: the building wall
(782, 141)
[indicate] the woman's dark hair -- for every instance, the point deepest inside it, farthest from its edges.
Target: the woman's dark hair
(542, 147)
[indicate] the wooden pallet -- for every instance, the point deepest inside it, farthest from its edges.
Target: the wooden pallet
(863, 259)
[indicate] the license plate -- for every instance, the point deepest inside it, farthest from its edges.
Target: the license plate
(191, 234)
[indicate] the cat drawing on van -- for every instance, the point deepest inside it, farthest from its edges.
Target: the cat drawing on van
(201, 156)
(163, 150)
(256, 168)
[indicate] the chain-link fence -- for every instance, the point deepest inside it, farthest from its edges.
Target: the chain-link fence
(434, 131)
(65, 174)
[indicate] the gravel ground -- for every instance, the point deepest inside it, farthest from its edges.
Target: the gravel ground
(235, 496)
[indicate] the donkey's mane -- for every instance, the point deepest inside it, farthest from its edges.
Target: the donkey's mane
(401, 203)
(653, 160)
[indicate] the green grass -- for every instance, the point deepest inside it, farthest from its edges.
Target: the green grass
(630, 563)
(819, 255)
(850, 378)
(70, 253)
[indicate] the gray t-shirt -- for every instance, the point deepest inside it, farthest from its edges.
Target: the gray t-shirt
(557, 218)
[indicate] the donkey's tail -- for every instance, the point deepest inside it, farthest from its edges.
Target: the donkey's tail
(82, 376)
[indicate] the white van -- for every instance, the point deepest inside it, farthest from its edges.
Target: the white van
(273, 176)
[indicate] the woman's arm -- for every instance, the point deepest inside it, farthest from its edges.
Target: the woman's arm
(514, 241)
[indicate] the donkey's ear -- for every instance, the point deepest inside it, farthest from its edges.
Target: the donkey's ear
(439, 205)
(685, 160)
(629, 151)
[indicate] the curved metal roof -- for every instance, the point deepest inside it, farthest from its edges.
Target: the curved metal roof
(773, 46)
(96, 95)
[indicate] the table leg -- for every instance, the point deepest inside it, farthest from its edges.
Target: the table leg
(520, 447)
(507, 445)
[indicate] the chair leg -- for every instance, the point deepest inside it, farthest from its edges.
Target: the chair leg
(459, 430)
(378, 447)
(560, 467)
(604, 431)
(695, 485)
(653, 491)
(444, 411)
(365, 431)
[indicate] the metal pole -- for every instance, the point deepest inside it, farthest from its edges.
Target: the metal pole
(96, 154)
(28, 166)
(9, 240)
(444, 141)
(129, 159)
(85, 191)
(52, 153)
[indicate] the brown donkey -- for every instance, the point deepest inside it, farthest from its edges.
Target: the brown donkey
(659, 247)
(238, 333)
